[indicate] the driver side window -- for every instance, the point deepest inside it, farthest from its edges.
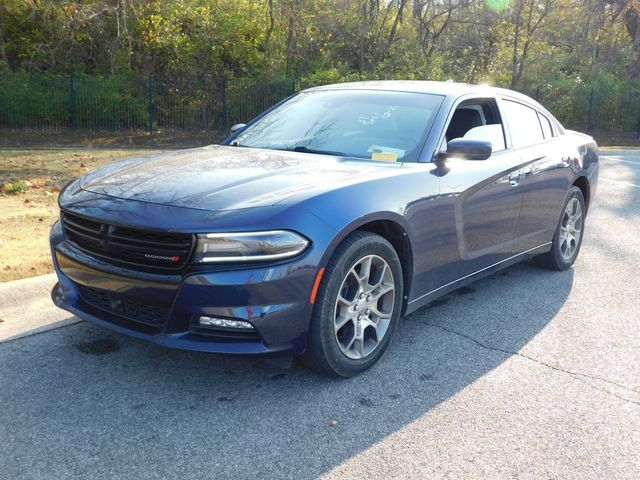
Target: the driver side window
(477, 119)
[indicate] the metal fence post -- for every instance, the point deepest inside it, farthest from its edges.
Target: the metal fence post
(223, 101)
(206, 108)
(150, 102)
(590, 111)
(536, 95)
(638, 126)
(73, 113)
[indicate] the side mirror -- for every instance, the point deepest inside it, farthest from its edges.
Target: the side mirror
(237, 127)
(468, 149)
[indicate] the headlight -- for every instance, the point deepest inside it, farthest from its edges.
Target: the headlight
(249, 246)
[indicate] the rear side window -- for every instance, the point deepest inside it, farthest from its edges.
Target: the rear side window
(523, 124)
(546, 126)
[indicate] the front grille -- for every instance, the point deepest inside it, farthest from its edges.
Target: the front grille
(130, 308)
(158, 250)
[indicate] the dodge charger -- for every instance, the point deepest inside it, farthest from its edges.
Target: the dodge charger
(314, 227)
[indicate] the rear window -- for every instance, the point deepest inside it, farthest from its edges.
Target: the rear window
(523, 124)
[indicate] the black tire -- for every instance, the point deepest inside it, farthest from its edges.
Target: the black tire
(554, 258)
(324, 354)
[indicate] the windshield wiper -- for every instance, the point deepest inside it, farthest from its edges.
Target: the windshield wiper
(303, 149)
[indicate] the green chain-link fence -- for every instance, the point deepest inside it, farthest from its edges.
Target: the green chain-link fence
(136, 103)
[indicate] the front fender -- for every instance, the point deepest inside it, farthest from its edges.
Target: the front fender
(406, 200)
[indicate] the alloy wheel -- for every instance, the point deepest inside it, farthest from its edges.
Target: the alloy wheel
(364, 306)
(570, 229)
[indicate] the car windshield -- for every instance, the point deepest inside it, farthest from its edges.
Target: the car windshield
(377, 125)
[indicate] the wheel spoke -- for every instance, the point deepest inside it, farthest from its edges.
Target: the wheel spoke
(365, 271)
(341, 321)
(350, 344)
(380, 279)
(355, 274)
(380, 315)
(369, 323)
(345, 301)
(381, 292)
(577, 222)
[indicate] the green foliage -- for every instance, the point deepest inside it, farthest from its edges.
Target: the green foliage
(15, 187)
(557, 50)
(504, 42)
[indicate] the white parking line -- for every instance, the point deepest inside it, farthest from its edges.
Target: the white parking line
(619, 159)
(617, 181)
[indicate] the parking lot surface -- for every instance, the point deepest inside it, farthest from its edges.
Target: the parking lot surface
(526, 374)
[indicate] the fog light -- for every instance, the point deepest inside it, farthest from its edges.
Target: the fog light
(212, 322)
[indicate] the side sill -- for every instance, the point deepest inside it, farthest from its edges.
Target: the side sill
(422, 300)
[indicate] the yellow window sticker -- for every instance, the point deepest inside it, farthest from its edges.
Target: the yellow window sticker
(384, 156)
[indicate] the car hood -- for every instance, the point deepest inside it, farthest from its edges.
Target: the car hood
(223, 177)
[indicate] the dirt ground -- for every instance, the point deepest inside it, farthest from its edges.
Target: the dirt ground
(29, 184)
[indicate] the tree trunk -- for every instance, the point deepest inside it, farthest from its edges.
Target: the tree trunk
(516, 42)
(4, 61)
(290, 40)
(394, 27)
(267, 37)
(632, 24)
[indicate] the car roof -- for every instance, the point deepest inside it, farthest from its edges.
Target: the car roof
(448, 88)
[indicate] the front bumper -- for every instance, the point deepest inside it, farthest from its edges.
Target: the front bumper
(274, 299)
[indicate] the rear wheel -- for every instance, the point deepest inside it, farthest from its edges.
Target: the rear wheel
(357, 308)
(568, 237)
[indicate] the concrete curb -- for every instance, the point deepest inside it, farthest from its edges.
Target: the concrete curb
(621, 147)
(26, 308)
(15, 292)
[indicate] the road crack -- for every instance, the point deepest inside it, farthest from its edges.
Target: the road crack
(577, 375)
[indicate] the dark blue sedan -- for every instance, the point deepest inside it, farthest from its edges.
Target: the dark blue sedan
(314, 227)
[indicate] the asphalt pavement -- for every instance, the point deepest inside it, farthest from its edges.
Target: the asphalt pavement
(526, 374)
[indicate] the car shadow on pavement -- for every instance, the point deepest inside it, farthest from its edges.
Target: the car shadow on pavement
(81, 401)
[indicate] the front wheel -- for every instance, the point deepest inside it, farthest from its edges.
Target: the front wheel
(357, 307)
(568, 236)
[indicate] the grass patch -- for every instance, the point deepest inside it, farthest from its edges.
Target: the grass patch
(23, 138)
(30, 183)
(15, 187)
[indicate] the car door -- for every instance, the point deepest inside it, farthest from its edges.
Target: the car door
(542, 180)
(483, 196)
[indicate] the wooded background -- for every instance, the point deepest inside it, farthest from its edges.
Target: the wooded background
(131, 64)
